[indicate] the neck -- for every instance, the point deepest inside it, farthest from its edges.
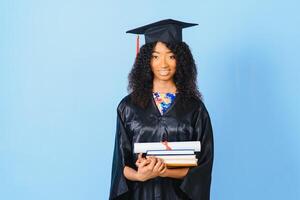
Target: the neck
(164, 86)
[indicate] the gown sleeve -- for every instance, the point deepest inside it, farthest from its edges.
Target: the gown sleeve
(119, 188)
(196, 184)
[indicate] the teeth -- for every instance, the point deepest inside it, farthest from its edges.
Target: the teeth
(164, 72)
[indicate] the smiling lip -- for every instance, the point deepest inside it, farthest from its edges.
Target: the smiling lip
(164, 72)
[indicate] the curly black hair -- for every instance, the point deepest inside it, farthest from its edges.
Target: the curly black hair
(141, 76)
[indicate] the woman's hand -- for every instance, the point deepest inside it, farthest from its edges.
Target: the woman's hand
(140, 159)
(149, 168)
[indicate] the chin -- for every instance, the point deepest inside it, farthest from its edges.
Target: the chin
(164, 78)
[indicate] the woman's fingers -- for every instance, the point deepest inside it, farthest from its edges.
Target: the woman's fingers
(152, 163)
(162, 167)
(152, 167)
(162, 173)
(143, 162)
(140, 156)
(158, 164)
(139, 159)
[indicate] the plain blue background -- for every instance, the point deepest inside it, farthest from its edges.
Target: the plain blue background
(64, 67)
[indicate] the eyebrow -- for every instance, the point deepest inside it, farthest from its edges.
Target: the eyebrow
(166, 52)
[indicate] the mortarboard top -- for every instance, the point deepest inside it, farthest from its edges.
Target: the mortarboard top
(168, 30)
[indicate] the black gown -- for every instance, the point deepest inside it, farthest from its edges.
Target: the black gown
(178, 123)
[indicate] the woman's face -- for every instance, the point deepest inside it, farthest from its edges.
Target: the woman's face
(163, 62)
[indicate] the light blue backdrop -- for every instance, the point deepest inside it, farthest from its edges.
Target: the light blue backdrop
(63, 70)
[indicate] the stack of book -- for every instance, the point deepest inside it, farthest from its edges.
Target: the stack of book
(174, 154)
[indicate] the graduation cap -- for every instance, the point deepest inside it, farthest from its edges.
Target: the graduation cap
(168, 31)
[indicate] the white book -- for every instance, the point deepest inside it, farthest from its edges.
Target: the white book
(147, 146)
(176, 157)
(171, 152)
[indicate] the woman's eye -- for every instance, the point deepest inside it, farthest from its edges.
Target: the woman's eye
(154, 56)
(172, 57)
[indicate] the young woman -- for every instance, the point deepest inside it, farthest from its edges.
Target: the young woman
(164, 104)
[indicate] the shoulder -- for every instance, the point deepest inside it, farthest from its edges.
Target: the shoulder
(125, 103)
(199, 106)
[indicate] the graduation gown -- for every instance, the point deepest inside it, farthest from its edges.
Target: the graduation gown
(178, 123)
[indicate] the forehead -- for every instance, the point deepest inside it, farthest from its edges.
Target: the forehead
(161, 47)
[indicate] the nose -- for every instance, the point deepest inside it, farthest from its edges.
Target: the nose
(164, 63)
